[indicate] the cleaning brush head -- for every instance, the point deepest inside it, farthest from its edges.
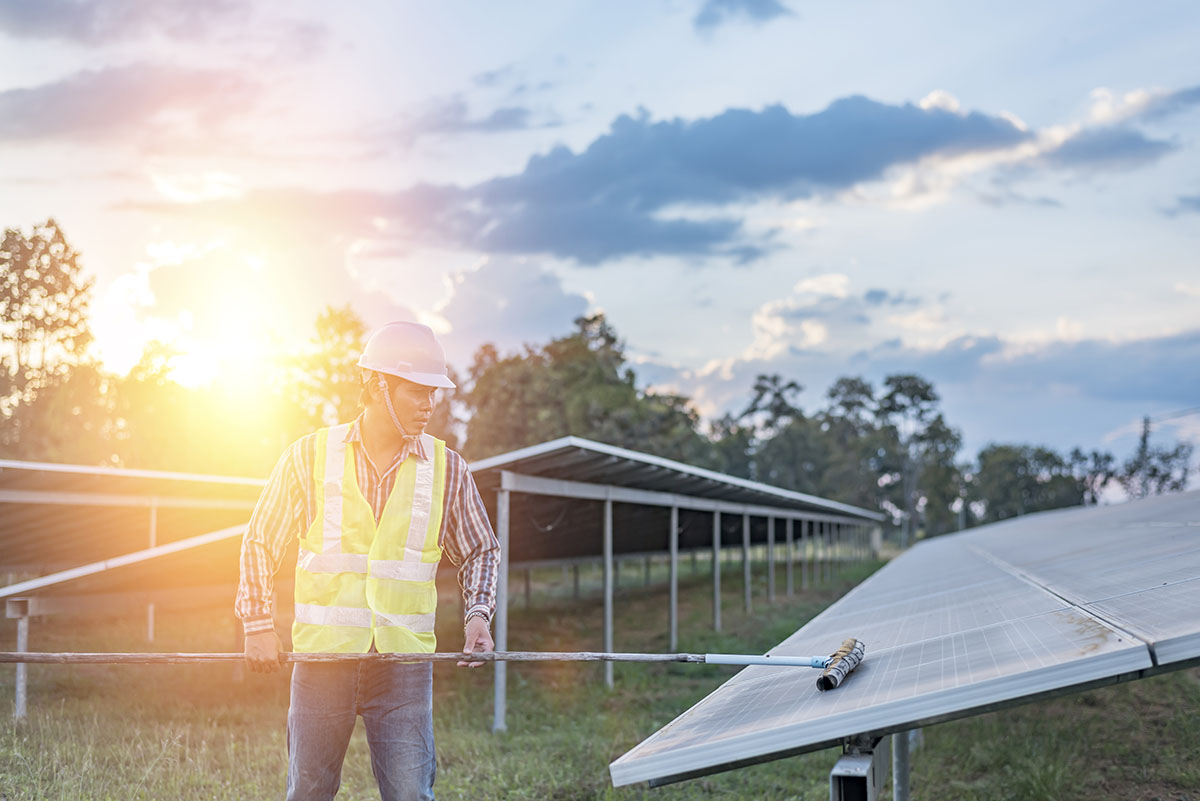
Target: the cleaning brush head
(841, 662)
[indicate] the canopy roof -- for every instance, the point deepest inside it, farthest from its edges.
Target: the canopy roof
(57, 517)
(578, 459)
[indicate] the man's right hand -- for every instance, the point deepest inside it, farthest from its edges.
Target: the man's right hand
(262, 651)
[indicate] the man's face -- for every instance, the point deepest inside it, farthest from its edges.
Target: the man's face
(413, 404)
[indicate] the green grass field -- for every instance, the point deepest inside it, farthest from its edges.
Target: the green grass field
(143, 732)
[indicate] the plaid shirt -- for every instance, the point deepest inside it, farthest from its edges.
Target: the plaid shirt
(287, 508)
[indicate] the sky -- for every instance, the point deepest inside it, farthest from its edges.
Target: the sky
(1004, 199)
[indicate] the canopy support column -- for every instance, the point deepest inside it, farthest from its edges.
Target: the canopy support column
(500, 677)
(19, 608)
(716, 566)
(608, 589)
(790, 554)
(674, 548)
(153, 542)
(746, 560)
(771, 560)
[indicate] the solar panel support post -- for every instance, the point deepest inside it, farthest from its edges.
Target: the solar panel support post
(900, 766)
(608, 588)
(746, 561)
(19, 608)
(790, 558)
(771, 559)
(500, 676)
(861, 772)
(673, 624)
(716, 568)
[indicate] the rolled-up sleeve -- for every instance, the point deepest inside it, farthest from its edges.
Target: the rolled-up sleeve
(277, 518)
(470, 542)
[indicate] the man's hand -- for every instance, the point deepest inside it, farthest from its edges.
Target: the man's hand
(477, 640)
(262, 651)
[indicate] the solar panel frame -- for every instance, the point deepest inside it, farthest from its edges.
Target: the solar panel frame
(1085, 597)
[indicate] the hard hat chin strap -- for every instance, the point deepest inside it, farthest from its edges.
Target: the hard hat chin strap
(387, 400)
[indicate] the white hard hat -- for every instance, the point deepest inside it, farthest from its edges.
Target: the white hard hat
(409, 351)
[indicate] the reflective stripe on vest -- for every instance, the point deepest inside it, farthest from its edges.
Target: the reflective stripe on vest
(359, 582)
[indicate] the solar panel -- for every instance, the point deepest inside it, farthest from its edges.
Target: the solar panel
(961, 623)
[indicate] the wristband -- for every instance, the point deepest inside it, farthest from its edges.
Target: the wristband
(477, 613)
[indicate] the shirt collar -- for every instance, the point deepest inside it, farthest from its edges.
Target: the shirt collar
(412, 446)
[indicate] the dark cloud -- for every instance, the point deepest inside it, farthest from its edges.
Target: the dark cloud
(616, 197)
(1172, 103)
(1155, 369)
(715, 13)
(122, 100)
(1111, 147)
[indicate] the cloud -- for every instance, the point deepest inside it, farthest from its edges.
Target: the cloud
(450, 116)
(105, 22)
(624, 194)
(492, 78)
(119, 101)
(1185, 204)
(507, 302)
(1111, 147)
(715, 13)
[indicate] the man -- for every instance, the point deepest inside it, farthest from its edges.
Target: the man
(375, 503)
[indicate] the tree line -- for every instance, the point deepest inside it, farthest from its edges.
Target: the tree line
(886, 446)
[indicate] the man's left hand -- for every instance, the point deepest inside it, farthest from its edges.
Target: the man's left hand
(477, 640)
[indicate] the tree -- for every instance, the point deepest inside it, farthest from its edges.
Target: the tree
(43, 305)
(856, 446)
(906, 411)
(578, 384)
(1155, 470)
(1013, 480)
(324, 376)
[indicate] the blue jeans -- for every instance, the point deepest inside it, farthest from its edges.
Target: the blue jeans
(396, 703)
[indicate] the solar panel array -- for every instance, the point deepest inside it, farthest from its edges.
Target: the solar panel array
(962, 622)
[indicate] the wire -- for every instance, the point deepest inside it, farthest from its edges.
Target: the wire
(1171, 415)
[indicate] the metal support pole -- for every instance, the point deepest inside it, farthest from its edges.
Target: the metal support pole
(673, 545)
(835, 537)
(900, 767)
(716, 563)
(609, 576)
(804, 559)
(646, 572)
(153, 542)
(771, 559)
(500, 676)
(789, 550)
(746, 560)
(528, 585)
(575, 581)
(19, 608)
(239, 646)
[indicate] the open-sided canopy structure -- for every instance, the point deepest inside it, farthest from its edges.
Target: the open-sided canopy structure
(995, 616)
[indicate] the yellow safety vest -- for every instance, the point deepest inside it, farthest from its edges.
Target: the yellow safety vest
(357, 582)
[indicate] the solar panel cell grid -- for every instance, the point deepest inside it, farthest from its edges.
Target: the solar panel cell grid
(1002, 612)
